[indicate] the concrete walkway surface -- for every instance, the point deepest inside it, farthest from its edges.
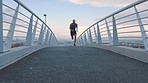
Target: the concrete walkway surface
(75, 65)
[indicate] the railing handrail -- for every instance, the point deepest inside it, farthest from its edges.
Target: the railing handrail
(110, 29)
(28, 34)
(20, 3)
(125, 8)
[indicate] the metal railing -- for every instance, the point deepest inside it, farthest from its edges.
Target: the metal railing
(126, 27)
(21, 27)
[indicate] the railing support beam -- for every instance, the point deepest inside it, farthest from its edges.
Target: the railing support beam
(99, 36)
(96, 38)
(50, 39)
(47, 38)
(77, 42)
(1, 27)
(34, 32)
(82, 40)
(85, 39)
(143, 33)
(90, 36)
(9, 39)
(29, 33)
(115, 34)
(109, 33)
(40, 42)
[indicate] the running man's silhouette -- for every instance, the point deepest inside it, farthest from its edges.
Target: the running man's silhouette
(73, 31)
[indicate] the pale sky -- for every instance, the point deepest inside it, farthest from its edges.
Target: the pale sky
(60, 13)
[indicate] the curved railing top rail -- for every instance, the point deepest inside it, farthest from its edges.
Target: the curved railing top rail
(125, 8)
(23, 28)
(117, 29)
(20, 3)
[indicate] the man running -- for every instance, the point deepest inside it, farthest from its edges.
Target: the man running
(73, 31)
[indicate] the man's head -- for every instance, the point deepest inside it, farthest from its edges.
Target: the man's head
(74, 21)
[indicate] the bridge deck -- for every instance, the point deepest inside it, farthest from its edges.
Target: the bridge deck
(75, 65)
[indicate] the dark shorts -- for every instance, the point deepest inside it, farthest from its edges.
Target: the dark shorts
(73, 33)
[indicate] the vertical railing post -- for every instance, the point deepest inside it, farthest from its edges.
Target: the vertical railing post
(34, 32)
(29, 32)
(99, 35)
(54, 41)
(85, 39)
(50, 37)
(40, 42)
(9, 39)
(90, 36)
(77, 42)
(115, 34)
(143, 33)
(44, 31)
(47, 38)
(82, 40)
(96, 38)
(57, 44)
(109, 33)
(1, 26)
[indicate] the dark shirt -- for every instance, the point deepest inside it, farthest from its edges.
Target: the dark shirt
(73, 26)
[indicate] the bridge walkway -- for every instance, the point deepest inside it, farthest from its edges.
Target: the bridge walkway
(75, 65)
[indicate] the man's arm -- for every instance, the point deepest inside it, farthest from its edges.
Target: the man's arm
(70, 27)
(76, 27)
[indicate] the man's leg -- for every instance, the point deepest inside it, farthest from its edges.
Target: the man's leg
(75, 36)
(71, 33)
(72, 37)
